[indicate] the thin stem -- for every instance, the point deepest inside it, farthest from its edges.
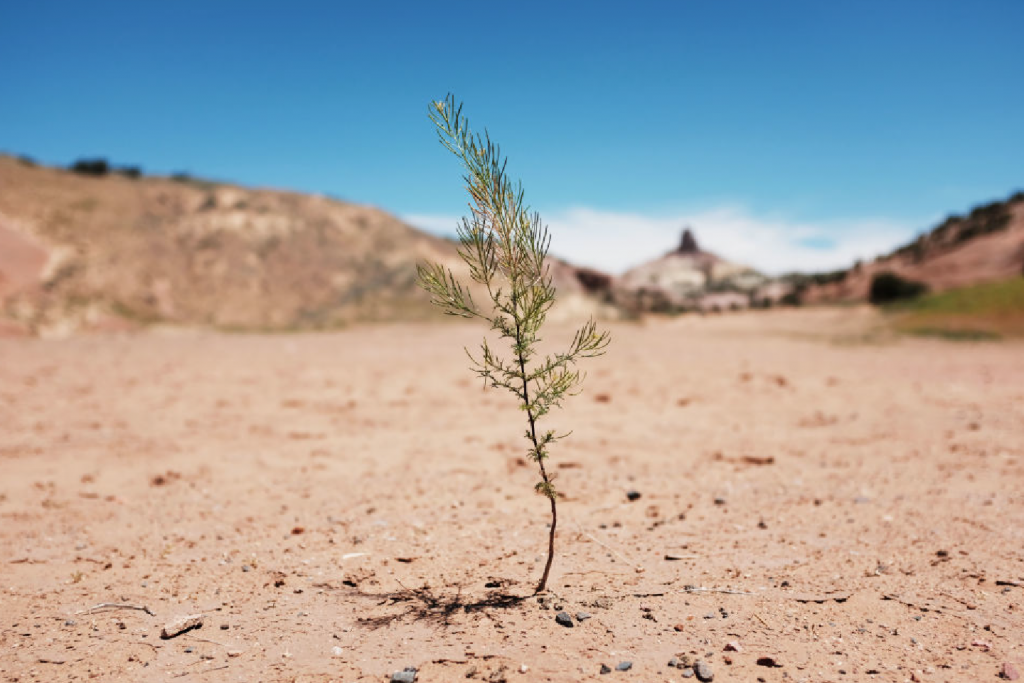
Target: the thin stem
(540, 461)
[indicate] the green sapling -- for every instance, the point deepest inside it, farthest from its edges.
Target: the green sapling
(505, 246)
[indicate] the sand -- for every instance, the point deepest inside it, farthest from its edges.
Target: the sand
(340, 506)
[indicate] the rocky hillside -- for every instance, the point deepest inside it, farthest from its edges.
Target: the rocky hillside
(81, 252)
(687, 278)
(986, 245)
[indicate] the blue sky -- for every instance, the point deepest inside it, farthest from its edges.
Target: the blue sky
(789, 134)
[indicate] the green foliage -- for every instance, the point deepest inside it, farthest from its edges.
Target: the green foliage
(887, 287)
(133, 172)
(505, 245)
(985, 311)
(93, 167)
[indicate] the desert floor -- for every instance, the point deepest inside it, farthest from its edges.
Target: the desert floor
(831, 502)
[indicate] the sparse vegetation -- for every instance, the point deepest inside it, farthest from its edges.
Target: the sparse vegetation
(887, 287)
(982, 220)
(99, 167)
(505, 246)
(133, 172)
(979, 312)
(91, 167)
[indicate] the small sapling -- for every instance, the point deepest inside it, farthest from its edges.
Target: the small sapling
(505, 246)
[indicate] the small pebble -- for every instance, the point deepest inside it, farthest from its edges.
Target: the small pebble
(720, 501)
(768, 661)
(70, 622)
(624, 666)
(582, 616)
(224, 627)
(709, 615)
(605, 669)
(1009, 672)
(673, 663)
(564, 619)
(246, 568)
(337, 651)
(406, 675)
(703, 671)
(688, 672)
(632, 495)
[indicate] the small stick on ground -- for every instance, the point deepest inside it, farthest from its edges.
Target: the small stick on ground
(698, 589)
(613, 551)
(206, 640)
(204, 671)
(116, 605)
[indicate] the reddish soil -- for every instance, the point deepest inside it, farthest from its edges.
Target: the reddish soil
(22, 260)
(341, 506)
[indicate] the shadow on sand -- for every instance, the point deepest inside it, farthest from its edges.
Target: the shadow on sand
(424, 604)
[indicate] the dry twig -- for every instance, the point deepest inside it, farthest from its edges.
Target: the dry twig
(698, 589)
(613, 551)
(116, 605)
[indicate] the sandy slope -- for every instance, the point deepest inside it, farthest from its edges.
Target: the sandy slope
(292, 488)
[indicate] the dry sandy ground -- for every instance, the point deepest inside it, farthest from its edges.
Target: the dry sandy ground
(339, 507)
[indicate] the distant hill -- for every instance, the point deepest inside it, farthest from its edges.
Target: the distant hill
(107, 249)
(688, 278)
(986, 245)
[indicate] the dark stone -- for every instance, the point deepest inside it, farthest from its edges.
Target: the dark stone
(593, 281)
(632, 495)
(564, 619)
(624, 666)
(673, 663)
(720, 501)
(768, 661)
(688, 243)
(605, 669)
(703, 671)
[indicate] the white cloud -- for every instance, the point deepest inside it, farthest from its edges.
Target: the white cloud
(615, 241)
